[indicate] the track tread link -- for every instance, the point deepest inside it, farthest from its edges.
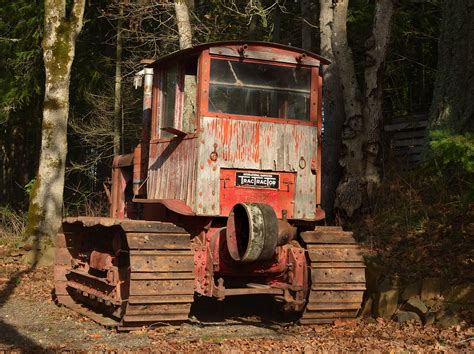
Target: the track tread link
(160, 276)
(337, 275)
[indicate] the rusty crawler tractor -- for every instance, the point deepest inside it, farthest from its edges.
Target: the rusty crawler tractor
(221, 198)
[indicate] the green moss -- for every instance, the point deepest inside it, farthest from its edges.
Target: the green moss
(58, 66)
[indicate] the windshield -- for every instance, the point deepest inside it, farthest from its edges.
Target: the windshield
(259, 90)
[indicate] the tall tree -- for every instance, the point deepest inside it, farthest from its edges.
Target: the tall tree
(184, 25)
(118, 83)
(45, 212)
(333, 109)
(452, 107)
(363, 107)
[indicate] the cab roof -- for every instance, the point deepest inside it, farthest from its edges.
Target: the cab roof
(304, 56)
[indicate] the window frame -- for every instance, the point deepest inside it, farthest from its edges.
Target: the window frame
(157, 99)
(204, 89)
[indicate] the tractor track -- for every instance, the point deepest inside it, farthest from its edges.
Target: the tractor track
(337, 271)
(153, 262)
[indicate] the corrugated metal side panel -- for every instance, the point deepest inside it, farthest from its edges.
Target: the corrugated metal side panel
(263, 146)
(172, 170)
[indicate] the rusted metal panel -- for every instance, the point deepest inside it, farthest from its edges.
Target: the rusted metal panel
(337, 275)
(279, 198)
(178, 206)
(159, 299)
(161, 275)
(333, 306)
(336, 296)
(76, 223)
(329, 237)
(172, 170)
(262, 54)
(149, 261)
(328, 254)
(259, 146)
(164, 287)
(157, 309)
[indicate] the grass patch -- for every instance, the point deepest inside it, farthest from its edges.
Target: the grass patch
(12, 227)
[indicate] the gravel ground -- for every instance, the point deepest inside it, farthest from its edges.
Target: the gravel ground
(30, 321)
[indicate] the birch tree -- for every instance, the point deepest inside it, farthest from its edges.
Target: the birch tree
(362, 105)
(45, 211)
(184, 25)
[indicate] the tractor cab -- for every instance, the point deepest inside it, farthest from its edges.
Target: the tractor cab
(231, 122)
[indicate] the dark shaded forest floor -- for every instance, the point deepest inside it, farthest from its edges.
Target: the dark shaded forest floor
(30, 321)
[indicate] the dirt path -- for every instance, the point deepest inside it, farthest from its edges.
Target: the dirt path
(29, 320)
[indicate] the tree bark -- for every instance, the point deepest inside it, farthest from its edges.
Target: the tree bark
(361, 136)
(45, 210)
(452, 108)
(118, 84)
(184, 25)
(333, 110)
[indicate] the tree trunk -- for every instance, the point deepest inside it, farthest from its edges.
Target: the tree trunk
(333, 110)
(276, 33)
(306, 16)
(118, 84)
(361, 136)
(452, 107)
(184, 25)
(45, 210)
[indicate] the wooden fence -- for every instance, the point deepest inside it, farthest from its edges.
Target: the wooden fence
(408, 137)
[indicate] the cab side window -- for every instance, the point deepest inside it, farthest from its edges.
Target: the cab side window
(169, 80)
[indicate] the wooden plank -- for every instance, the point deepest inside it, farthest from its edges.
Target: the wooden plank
(409, 118)
(409, 142)
(336, 296)
(337, 275)
(164, 287)
(160, 299)
(162, 275)
(420, 133)
(330, 237)
(405, 150)
(333, 306)
(153, 261)
(158, 241)
(335, 254)
(406, 126)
